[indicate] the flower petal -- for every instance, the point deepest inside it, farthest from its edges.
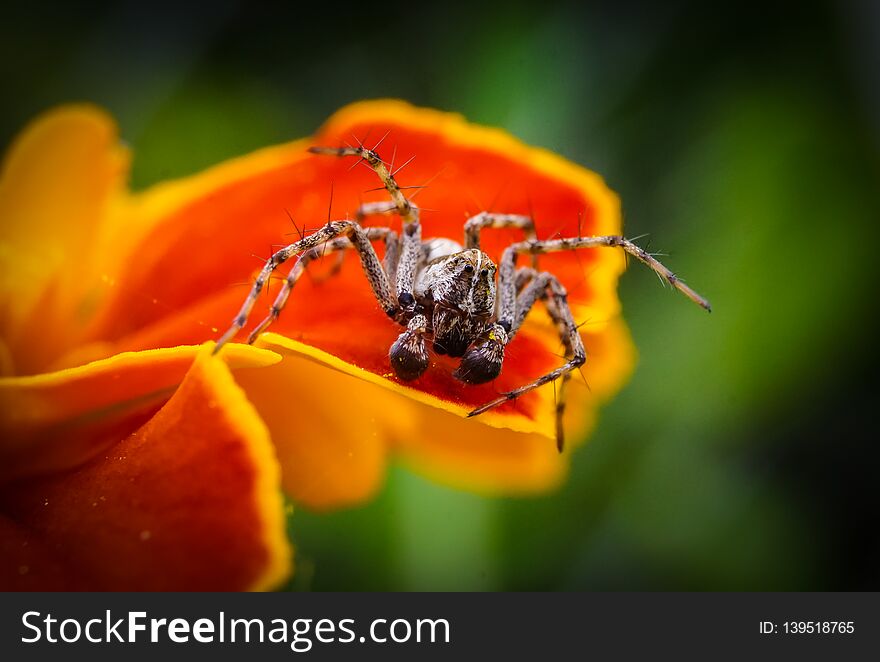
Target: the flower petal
(58, 420)
(501, 462)
(330, 431)
(331, 426)
(488, 460)
(190, 501)
(356, 354)
(58, 180)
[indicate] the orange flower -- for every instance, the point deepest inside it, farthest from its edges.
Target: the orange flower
(106, 296)
(142, 471)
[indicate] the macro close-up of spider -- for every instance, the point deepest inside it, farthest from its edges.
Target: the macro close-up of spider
(332, 299)
(445, 293)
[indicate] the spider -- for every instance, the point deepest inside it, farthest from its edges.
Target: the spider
(445, 293)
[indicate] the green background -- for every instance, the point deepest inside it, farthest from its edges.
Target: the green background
(743, 138)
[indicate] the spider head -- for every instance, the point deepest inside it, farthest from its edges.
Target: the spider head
(463, 281)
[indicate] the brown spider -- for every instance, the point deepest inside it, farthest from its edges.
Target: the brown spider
(446, 293)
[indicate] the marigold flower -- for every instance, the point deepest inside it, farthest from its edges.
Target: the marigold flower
(106, 296)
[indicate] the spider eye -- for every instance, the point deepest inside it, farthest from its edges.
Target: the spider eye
(484, 272)
(469, 268)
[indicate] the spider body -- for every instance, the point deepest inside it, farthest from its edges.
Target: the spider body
(457, 292)
(451, 295)
(454, 297)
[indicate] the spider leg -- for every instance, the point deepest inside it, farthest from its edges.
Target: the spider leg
(523, 276)
(411, 241)
(408, 211)
(562, 388)
(389, 260)
(392, 241)
(550, 303)
(474, 225)
(534, 247)
(514, 307)
(380, 208)
(561, 395)
(335, 268)
(575, 353)
(338, 246)
(332, 230)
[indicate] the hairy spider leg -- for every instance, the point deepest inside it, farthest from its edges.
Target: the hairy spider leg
(408, 211)
(510, 316)
(543, 284)
(608, 241)
(335, 245)
(562, 389)
(525, 276)
(392, 248)
(392, 243)
(485, 220)
(411, 240)
(535, 290)
(507, 278)
(360, 242)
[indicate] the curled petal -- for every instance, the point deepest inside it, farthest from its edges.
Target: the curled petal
(495, 461)
(190, 501)
(58, 420)
(331, 427)
(330, 430)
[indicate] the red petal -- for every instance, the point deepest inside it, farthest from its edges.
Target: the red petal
(56, 421)
(191, 501)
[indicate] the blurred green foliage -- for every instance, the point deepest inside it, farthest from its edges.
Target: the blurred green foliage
(742, 138)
